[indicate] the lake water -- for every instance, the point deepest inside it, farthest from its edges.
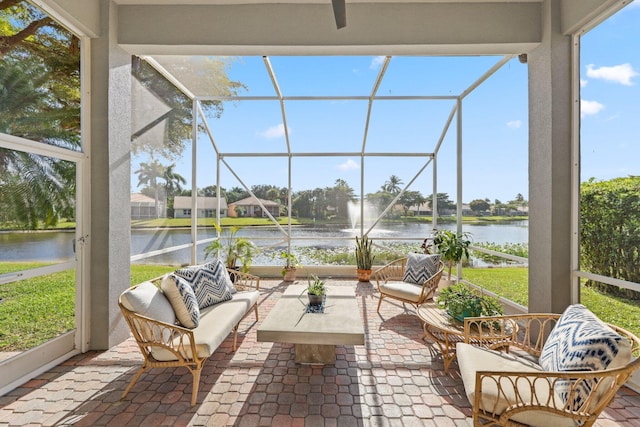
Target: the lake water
(58, 245)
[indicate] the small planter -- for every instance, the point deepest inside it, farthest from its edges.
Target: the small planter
(364, 275)
(315, 299)
(364, 258)
(289, 274)
(466, 313)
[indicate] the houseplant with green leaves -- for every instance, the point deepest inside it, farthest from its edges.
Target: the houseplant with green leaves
(291, 264)
(460, 301)
(364, 258)
(316, 289)
(452, 247)
(232, 248)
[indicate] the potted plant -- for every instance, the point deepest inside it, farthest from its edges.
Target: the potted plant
(234, 248)
(364, 258)
(460, 301)
(291, 263)
(316, 290)
(452, 247)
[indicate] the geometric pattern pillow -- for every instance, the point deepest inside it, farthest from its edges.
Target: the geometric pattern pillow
(580, 341)
(183, 300)
(212, 265)
(209, 282)
(420, 268)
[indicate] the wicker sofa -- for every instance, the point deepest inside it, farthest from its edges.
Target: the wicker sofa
(168, 332)
(556, 370)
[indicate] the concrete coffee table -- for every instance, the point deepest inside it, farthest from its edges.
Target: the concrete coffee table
(315, 335)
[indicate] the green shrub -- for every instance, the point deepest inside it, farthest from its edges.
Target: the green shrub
(610, 231)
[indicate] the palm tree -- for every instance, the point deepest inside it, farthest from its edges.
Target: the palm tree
(341, 194)
(173, 182)
(393, 185)
(34, 188)
(148, 174)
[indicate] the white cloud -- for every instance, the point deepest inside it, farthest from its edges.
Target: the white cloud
(622, 73)
(583, 82)
(514, 124)
(348, 166)
(376, 62)
(273, 132)
(589, 108)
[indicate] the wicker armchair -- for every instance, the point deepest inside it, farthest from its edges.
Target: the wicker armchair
(166, 345)
(529, 395)
(389, 280)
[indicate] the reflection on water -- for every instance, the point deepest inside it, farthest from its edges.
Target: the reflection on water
(48, 246)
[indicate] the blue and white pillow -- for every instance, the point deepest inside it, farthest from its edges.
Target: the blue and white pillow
(580, 341)
(183, 300)
(420, 268)
(210, 282)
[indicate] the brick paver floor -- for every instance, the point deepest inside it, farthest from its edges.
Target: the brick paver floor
(395, 379)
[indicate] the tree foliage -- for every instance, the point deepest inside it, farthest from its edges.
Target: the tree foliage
(175, 112)
(479, 205)
(610, 230)
(444, 203)
(411, 198)
(39, 100)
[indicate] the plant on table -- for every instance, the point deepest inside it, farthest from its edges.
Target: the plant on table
(316, 286)
(452, 247)
(316, 289)
(364, 258)
(233, 248)
(460, 301)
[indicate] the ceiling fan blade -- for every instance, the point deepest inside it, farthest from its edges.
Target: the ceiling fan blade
(340, 12)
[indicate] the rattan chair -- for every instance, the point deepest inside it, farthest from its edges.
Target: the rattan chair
(530, 396)
(389, 280)
(176, 343)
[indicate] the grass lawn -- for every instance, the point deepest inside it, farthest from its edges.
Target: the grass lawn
(251, 221)
(35, 310)
(512, 284)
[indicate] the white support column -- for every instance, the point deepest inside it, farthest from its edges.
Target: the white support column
(434, 197)
(550, 168)
(110, 182)
(194, 183)
(459, 173)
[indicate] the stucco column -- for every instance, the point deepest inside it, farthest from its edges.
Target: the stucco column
(110, 181)
(550, 76)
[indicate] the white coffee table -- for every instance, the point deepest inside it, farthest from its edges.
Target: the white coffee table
(315, 335)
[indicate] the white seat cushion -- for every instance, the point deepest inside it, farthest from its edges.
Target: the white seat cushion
(403, 290)
(472, 359)
(147, 300)
(216, 322)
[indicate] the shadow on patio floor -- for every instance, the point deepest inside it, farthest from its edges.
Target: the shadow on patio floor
(396, 378)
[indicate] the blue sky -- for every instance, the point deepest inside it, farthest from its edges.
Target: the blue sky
(495, 116)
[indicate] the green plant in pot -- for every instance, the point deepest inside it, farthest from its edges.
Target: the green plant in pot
(452, 247)
(232, 247)
(364, 258)
(316, 290)
(291, 263)
(460, 301)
